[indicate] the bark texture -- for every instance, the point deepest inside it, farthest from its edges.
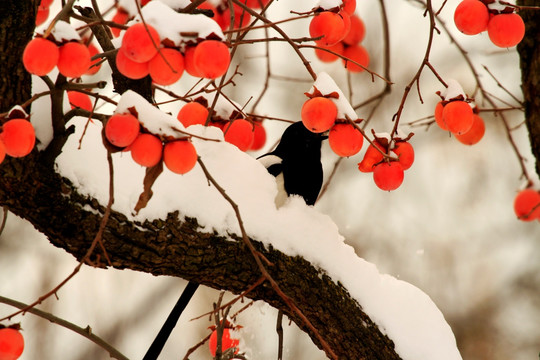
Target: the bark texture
(529, 51)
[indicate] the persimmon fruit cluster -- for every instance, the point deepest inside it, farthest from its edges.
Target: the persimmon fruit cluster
(41, 56)
(505, 29)
(142, 54)
(11, 343)
(124, 131)
(244, 134)
(341, 43)
(459, 118)
(388, 175)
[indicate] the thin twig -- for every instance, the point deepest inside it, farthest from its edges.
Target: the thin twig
(85, 332)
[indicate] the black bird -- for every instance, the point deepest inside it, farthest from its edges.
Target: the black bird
(296, 163)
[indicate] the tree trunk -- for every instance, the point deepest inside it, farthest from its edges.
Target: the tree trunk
(17, 23)
(529, 53)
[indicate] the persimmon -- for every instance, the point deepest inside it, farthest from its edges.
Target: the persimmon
(328, 57)
(405, 153)
(329, 26)
(121, 18)
(388, 176)
(259, 136)
(371, 157)
(527, 205)
(458, 116)
(357, 31)
(226, 342)
(189, 63)
(319, 114)
(349, 6)
(95, 65)
(74, 59)
(179, 156)
(471, 17)
(40, 56)
(42, 15)
(11, 344)
(211, 58)
(18, 136)
(241, 18)
(475, 133)
(438, 116)
(122, 129)
(240, 133)
(166, 67)
(146, 150)
(506, 30)
(192, 113)
(2, 151)
(129, 68)
(358, 54)
(345, 140)
(256, 4)
(140, 42)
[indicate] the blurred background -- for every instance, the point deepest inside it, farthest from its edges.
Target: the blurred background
(449, 229)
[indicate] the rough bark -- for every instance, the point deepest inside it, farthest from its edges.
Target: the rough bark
(15, 31)
(529, 52)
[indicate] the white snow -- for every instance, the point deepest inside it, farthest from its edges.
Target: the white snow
(130, 6)
(328, 4)
(453, 90)
(177, 27)
(402, 311)
(496, 5)
(64, 31)
(18, 109)
(40, 115)
(159, 123)
(326, 85)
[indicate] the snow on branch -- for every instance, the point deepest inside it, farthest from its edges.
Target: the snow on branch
(401, 311)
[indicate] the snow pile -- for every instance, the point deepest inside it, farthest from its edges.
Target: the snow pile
(402, 311)
(453, 91)
(177, 27)
(328, 4)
